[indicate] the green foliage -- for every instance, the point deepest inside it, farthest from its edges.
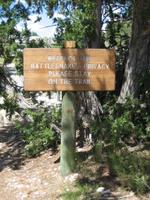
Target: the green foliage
(132, 171)
(37, 132)
(78, 23)
(10, 15)
(129, 170)
(12, 41)
(96, 128)
(10, 105)
(121, 126)
(144, 83)
(55, 115)
(124, 124)
(38, 141)
(78, 193)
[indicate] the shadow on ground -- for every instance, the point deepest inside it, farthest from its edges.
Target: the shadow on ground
(11, 148)
(95, 175)
(106, 180)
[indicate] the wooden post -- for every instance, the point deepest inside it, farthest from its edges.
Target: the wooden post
(70, 44)
(67, 157)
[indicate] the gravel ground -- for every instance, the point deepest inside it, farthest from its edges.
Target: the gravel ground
(29, 179)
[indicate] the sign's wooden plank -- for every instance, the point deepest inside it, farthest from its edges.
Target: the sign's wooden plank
(78, 85)
(68, 74)
(69, 69)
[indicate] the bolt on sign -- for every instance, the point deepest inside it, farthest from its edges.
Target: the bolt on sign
(58, 69)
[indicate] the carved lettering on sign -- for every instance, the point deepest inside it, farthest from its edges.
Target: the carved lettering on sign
(69, 69)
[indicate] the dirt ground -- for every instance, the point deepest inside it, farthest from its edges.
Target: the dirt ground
(28, 179)
(37, 178)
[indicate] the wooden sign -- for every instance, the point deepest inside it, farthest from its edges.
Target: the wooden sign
(69, 69)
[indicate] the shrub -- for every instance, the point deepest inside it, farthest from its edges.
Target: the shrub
(131, 171)
(37, 132)
(10, 105)
(122, 124)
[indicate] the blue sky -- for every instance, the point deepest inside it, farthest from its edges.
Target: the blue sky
(44, 28)
(40, 27)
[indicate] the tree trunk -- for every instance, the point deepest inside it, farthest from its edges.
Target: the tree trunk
(138, 63)
(90, 106)
(89, 99)
(97, 41)
(92, 102)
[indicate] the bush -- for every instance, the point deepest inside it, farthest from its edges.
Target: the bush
(37, 132)
(10, 105)
(132, 171)
(124, 124)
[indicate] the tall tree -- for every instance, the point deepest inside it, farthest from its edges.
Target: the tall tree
(10, 38)
(138, 64)
(116, 32)
(12, 42)
(82, 23)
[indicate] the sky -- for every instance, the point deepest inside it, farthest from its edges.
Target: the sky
(45, 27)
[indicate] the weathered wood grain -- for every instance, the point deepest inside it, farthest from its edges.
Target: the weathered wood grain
(69, 69)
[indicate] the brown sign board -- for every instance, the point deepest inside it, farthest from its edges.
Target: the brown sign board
(56, 69)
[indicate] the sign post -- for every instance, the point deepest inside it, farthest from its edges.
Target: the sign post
(67, 153)
(69, 70)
